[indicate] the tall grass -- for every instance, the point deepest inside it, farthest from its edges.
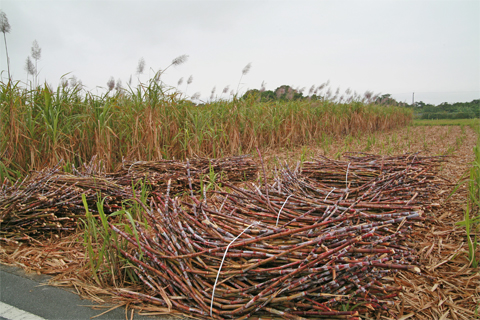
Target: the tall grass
(41, 126)
(447, 122)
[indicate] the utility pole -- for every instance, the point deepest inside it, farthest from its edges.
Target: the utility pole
(413, 99)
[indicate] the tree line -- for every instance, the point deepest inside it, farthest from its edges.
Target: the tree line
(445, 110)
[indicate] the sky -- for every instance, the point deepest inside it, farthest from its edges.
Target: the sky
(423, 50)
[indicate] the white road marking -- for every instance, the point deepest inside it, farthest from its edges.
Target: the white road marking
(11, 313)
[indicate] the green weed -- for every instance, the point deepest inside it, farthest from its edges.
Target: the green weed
(471, 221)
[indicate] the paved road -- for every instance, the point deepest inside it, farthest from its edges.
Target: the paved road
(23, 297)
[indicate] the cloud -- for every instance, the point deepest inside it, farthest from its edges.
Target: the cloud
(384, 46)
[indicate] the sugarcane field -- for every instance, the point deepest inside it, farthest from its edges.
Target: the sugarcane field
(335, 176)
(350, 230)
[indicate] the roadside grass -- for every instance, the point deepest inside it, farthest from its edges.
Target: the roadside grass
(102, 244)
(447, 122)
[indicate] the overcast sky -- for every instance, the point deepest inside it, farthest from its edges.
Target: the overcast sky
(431, 48)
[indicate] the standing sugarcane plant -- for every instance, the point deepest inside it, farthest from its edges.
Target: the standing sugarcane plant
(36, 55)
(5, 28)
(30, 68)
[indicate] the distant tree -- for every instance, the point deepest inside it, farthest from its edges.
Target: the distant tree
(252, 94)
(268, 95)
(5, 28)
(387, 100)
(281, 93)
(445, 110)
(419, 104)
(286, 92)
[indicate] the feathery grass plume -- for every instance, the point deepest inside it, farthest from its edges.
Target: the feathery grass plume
(29, 67)
(36, 55)
(175, 62)
(111, 84)
(245, 71)
(290, 93)
(196, 96)
(180, 81)
(368, 94)
(179, 60)
(280, 92)
(189, 81)
(337, 92)
(64, 83)
(140, 66)
(312, 88)
(328, 94)
(157, 75)
(118, 86)
(5, 28)
(225, 90)
(262, 87)
(74, 82)
(212, 95)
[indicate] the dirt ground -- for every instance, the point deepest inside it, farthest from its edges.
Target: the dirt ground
(449, 287)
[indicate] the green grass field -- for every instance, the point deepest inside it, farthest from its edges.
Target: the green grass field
(447, 122)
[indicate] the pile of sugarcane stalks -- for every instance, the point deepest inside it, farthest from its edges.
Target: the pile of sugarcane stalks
(158, 173)
(406, 180)
(51, 200)
(297, 248)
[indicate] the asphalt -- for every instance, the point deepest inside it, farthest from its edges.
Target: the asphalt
(30, 293)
